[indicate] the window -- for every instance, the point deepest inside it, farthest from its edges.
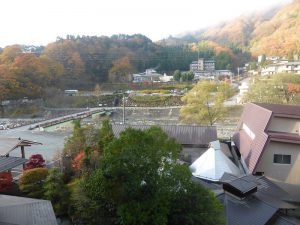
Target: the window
(282, 159)
(248, 131)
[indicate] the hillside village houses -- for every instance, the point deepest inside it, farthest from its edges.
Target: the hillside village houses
(202, 69)
(275, 65)
(281, 67)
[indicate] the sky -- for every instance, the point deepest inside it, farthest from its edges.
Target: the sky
(39, 22)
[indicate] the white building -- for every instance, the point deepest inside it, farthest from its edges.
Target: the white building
(166, 78)
(272, 59)
(212, 75)
(282, 67)
(150, 75)
(243, 90)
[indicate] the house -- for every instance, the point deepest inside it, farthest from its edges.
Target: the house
(150, 75)
(165, 78)
(267, 137)
(247, 199)
(212, 74)
(71, 92)
(273, 59)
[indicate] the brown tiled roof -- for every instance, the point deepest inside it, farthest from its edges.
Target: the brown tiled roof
(184, 134)
(282, 110)
(284, 137)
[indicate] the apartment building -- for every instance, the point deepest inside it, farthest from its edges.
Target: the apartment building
(202, 65)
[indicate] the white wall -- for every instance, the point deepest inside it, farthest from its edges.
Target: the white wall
(287, 173)
(285, 125)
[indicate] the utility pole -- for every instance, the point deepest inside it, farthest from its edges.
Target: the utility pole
(123, 109)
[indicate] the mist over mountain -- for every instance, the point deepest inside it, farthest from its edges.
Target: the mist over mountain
(272, 32)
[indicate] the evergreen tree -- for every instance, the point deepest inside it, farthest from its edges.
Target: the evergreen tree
(57, 192)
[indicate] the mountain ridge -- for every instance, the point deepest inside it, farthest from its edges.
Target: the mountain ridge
(273, 32)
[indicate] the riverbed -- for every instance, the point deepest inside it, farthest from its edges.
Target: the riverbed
(52, 142)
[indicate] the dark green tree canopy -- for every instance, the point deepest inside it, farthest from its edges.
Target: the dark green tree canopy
(140, 183)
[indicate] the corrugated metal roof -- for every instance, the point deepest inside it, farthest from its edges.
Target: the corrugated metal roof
(258, 208)
(7, 163)
(20, 211)
(184, 134)
(242, 184)
(273, 194)
(1, 223)
(9, 144)
(267, 191)
(248, 211)
(283, 221)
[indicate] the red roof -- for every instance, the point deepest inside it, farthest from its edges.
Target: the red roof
(256, 117)
(284, 137)
(282, 110)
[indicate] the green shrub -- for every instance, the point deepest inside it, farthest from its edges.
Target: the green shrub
(32, 181)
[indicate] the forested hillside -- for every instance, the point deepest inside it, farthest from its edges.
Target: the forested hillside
(274, 32)
(83, 61)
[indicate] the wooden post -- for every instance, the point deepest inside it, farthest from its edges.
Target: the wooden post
(23, 155)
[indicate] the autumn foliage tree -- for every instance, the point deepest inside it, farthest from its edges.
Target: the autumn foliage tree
(8, 82)
(121, 70)
(35, 161)
(279, 89)
(6, 181)
(10, 53)
(204, 104)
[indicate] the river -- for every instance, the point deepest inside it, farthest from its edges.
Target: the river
(52, 140)
(53, 137)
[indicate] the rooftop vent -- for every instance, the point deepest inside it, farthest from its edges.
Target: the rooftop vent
(241, 187)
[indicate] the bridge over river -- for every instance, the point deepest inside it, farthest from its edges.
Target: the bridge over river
(52, 133)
